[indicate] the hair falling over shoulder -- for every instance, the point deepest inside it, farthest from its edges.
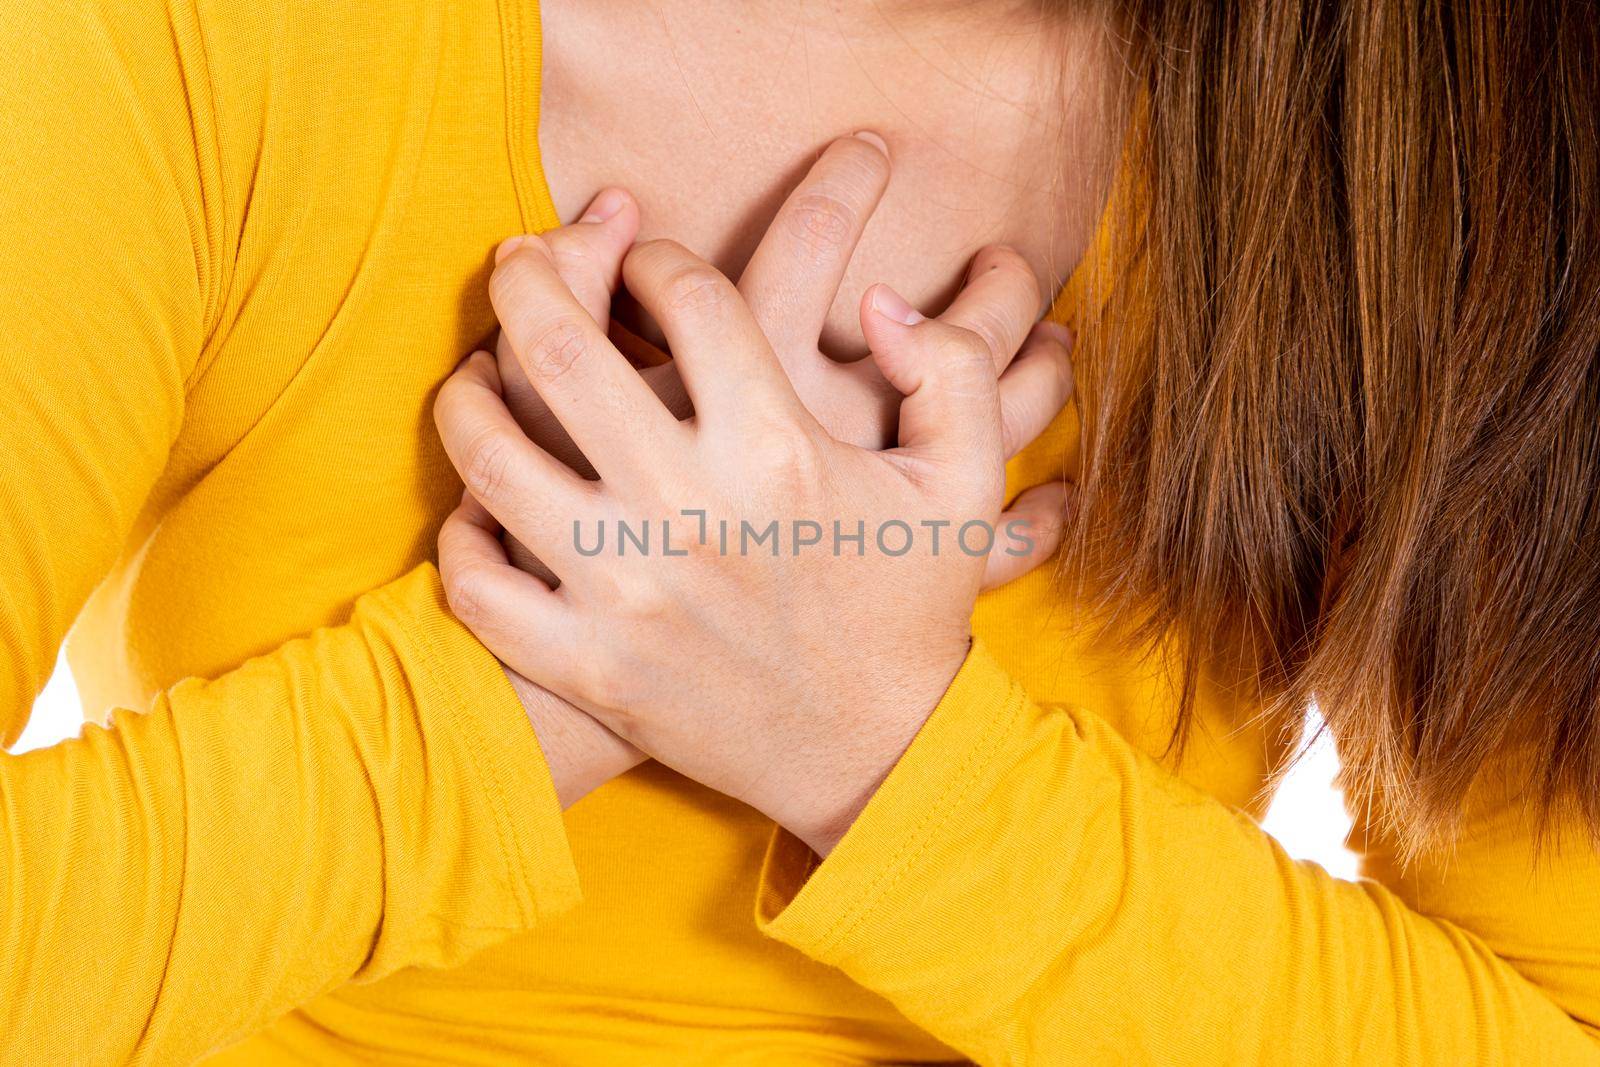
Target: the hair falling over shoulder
(1350, 420)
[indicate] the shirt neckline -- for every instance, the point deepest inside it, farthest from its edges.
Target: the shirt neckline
(522, 46)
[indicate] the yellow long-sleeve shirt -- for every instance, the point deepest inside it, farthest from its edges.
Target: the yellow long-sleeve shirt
(242, 243)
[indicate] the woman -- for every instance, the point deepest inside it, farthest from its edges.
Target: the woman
(228, 433)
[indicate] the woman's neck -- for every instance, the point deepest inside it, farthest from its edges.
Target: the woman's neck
(998, 125)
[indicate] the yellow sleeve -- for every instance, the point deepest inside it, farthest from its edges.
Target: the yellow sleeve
(1529, 893)
(365, 799)
(1030, 889)
(368, 798)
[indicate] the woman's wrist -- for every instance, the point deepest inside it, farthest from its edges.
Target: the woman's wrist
(868, 753)
(581, 754)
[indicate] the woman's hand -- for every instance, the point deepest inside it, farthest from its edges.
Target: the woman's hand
(790, 282)
(792, 279)
(792, 680)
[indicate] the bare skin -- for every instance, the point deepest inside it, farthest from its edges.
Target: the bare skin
(709, 113)
(998, 130)
(665, 654)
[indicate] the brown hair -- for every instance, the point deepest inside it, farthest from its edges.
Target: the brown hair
(1358, 431)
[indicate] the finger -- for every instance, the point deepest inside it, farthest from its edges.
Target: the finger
(667, 383)
(725, 360)
(1000, 302)
(1035, 388)
(540, 425)
(1030, 532)
(524, 559)
(588, 257)
(794, 276)
(533, 494)
(951, 406)
(854, 403)
(513, 551)
(596, 395)
(588, 253)
(517, 616)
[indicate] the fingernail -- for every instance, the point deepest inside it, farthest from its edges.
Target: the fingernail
(508, 246)
(891, 305)
(872, 139)
(604, 206)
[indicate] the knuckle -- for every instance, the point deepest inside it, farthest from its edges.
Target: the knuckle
(1049, 517)
(821, 222)
(695, 289)
(965, 352)
(646, 601)
(989, 327)
(463, 591)
(556, 348)
(486, 466)
(787, 461)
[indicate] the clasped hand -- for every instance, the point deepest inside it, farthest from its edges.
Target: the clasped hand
(760, 595)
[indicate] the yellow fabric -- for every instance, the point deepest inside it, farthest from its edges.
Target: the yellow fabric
(243, 242)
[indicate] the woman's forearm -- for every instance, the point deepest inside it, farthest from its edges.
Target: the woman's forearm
(581, 754)
(1030, 889)
(365, 799)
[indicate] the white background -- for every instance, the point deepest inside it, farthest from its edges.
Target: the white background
(1307, 815)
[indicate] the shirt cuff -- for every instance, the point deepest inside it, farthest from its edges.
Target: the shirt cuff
(467, 694)
(818, 906)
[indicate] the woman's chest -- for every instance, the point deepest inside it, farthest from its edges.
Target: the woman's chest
(711, 115)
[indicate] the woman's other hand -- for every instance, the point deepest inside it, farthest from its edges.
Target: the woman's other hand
(580, 752)
(790, 283)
